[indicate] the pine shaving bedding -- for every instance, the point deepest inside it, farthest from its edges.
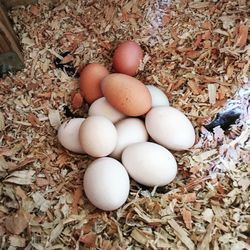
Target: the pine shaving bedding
(198, 53)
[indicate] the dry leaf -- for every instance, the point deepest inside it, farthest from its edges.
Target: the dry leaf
(17, 223)
(24, 177)
(54, 118)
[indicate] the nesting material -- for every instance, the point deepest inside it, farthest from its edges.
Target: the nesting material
(188, 46)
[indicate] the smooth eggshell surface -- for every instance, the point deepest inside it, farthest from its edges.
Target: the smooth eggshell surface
(170, 128)
(158, 97)
(149, 164)
(90, 81)
(126, 94)
(127, 58)
(102, 108)
(98, 136)
(129, 131)
(106, 184)
(68, 135)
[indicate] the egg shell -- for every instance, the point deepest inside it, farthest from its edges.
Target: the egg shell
(106, 184)
(149, 164)
(98, 136)
(101, 107)
(129, 131)
(127, 58)
(170, 128)
(126, 94)
(90, 81)
(68, 135)
(158, 97)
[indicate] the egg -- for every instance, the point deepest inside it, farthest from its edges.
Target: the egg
(149, 164)
(158, 97)
(98, 136)
(170, 128)
(68, 135)
(101, 107)
(90, 80)
(126, 94)
(106, 184)
(127, 58)
(129, 131)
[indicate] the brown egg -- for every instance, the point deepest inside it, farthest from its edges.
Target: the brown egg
(127, 58)
(127, 94)
(90, 80)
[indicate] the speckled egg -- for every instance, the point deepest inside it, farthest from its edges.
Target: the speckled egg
(126, 94)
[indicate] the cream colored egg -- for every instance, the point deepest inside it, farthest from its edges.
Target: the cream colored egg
(102, 108)
(106, 184)
(170, 128)
(68, 135)
(149, 164)
(158, 97)
(129, 131)
(98, 136)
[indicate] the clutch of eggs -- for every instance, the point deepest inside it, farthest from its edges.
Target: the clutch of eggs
(123, 115)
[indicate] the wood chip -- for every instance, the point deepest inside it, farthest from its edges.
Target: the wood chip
(242, 35)
(2, 122)
(24, 177)
(212, 90)
(18, 222)
(187, 217)
(182, 235)
(54, 118)
(17, 241)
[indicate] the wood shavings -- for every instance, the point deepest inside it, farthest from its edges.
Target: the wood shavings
(17, 223)
(182, 235)
(212, 88)
(2, 122)
(54, 118)
(17, 241)
(208, 215)
(197, 53)
(24, 177)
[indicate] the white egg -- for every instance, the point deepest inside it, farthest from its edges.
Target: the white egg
(98, 136)
(102, 108)
(129, 131)
(149, 164)
(158, 97)
(170, 128)
(106, 184)
(68, 135)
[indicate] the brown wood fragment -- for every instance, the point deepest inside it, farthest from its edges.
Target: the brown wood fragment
(242, 35)
(187, 217)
